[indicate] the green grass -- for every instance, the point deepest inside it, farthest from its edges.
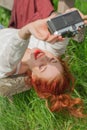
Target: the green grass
(28, 112)
(4, 16)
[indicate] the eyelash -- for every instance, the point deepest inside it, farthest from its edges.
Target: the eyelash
(42, 67)
(53, 60)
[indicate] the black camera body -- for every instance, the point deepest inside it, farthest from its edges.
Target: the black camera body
(66, 24)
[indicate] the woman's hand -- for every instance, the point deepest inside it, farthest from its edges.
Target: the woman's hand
(40, 30)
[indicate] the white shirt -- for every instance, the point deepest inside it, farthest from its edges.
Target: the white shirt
(12, 49)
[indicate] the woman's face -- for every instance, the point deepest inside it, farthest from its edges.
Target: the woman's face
(44, 64)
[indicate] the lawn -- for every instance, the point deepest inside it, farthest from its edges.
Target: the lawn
(28, 112)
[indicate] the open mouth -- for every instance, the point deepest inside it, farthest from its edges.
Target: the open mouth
(38, 53)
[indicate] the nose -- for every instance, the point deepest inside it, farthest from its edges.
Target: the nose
(43, 58)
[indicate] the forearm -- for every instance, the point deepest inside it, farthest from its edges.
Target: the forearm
(24, 32)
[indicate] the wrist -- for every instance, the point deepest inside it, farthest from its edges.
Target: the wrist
(24, 33)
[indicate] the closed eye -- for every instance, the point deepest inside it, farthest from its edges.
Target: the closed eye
(42, 67)
(53, 60)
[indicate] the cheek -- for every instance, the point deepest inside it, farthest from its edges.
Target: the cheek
(35, 71)
(31, 64)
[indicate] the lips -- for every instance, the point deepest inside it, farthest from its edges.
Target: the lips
(38, 53)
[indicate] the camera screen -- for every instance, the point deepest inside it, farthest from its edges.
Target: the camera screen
(65, 20)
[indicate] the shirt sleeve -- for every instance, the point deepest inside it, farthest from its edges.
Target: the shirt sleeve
(12, 49)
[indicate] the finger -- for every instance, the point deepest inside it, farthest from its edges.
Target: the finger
(85, 22)
(54, 38)
(42, 35)
(85, 17)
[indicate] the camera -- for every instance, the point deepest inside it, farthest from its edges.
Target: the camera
(66, 24)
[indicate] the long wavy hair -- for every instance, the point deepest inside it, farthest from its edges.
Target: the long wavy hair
(57, 92)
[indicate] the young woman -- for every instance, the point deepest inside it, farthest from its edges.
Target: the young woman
(49, 75)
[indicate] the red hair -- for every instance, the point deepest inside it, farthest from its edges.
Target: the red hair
(57, 92)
